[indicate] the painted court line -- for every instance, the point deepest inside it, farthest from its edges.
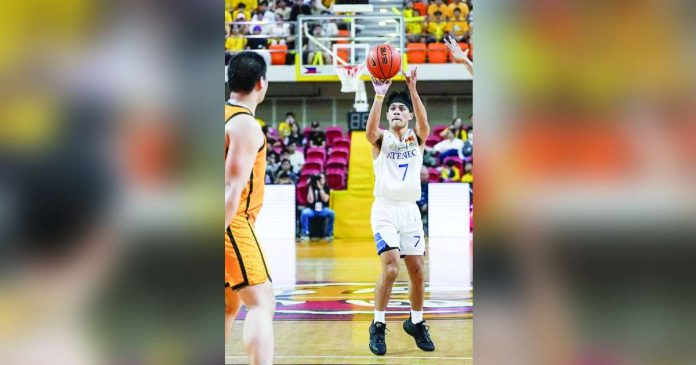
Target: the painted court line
(359, 357)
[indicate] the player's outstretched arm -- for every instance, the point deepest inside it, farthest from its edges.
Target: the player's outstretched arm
(458, 55)
(422, 126)
(372, 131)
(245, 140)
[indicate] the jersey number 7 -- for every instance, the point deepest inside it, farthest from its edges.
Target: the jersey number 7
(405, 171)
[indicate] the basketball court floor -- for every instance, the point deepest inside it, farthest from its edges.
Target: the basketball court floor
(325, 293)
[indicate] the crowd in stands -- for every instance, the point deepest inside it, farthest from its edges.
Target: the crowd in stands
(271, 25)
(315, 160)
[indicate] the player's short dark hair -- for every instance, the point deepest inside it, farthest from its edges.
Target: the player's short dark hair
(245, 70)
(400, 96)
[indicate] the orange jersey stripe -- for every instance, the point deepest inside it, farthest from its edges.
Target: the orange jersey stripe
(252, 196)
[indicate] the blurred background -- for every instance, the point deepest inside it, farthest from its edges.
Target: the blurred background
(585, 182)
(584, 204)
(110, 187)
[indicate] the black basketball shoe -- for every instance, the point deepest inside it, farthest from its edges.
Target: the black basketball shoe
(377, 344)
(420, 333)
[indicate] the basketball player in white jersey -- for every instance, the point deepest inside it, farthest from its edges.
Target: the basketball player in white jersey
(397, 155)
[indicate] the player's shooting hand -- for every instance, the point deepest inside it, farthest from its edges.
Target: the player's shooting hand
(411, 78)
(381, 86)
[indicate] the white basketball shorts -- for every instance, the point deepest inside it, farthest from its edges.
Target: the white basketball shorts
(397, 225)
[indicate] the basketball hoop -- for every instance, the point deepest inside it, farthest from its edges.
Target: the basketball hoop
(350, 76)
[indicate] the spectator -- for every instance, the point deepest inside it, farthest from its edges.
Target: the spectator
(413, 20)
(296, 157)
(241, 13)
(436, 6)
(407, 10)
(437, 27)
(263, 14)
(243, 28)
(414, 26)
(450, 146)
(317, 205)
(272, 165)
(295, 136)
(300, 8)
(329, 29)
(468, 176)
(228, 18)
(459, 130)
(235, 41)
(258, 41)
(282, 11)
(450, 173)
(459, 28)
(316, 137)
(463, 9)
(468, 149)
(278, 33)
(285, 127)
(270, 139)
(313, 49)
(286, 167)
(284, 179)
(468, 126)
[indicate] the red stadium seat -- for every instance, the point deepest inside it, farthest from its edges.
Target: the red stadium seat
(438, 129)
(433, 175)
(306, 173)
(278, 53)
(336, 179)
(432, 140)
(415, 52)
(314, 164)
(342, 143)
(437, 53)
(317, 153)
(301, 192)
(336, 163)
(340, 153)
(343, 53)
(332, 133)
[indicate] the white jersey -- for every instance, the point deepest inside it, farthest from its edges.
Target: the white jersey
(397, 168)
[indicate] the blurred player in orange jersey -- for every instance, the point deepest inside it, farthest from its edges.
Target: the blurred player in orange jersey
(246, 275)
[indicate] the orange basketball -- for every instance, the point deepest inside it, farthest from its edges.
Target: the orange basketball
(383, 61)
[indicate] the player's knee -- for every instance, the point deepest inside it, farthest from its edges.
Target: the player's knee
(417, 274)
(391, 271)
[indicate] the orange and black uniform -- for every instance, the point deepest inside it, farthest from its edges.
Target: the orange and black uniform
(245, 263)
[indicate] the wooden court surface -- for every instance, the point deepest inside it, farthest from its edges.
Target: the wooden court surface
(325, 293)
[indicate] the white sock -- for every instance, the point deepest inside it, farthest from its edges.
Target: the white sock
(379, 316)
(416, 316)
